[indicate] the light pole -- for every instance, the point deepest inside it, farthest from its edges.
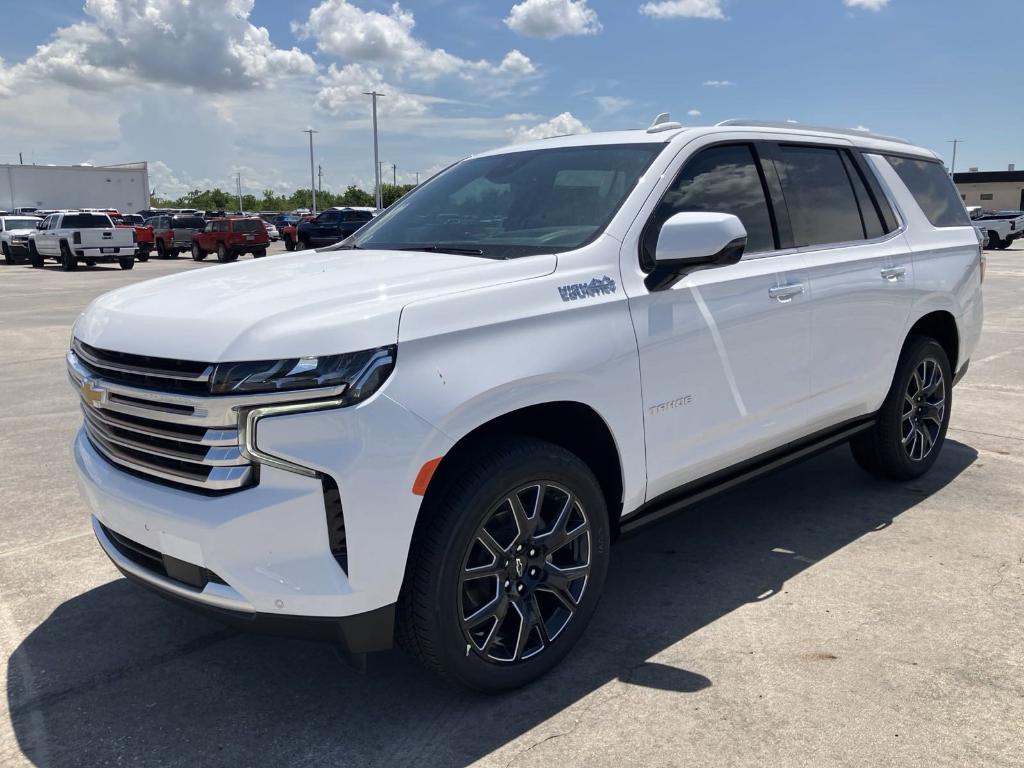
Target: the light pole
(955, 143)
(312, 174)
(376, 159)
(238, 189)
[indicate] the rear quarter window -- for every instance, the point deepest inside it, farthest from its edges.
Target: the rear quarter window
(933, 190)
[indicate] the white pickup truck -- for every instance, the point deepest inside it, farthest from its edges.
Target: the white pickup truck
(1002, 227)
(73, 236)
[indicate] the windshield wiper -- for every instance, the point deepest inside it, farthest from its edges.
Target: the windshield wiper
(438, 248)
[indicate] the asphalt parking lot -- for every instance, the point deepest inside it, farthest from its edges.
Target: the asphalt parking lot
(817, 617)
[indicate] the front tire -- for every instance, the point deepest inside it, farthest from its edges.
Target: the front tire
(222, 254)
(9, 258)
(289, 244)
(912, 422)
(34, 257)
(161, 250)
(507, 567)
(994, 241)
(1005, 244)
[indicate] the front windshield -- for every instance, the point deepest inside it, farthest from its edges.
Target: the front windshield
(513, 204)
(10, 223)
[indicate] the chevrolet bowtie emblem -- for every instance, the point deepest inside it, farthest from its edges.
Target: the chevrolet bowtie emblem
(92, 393)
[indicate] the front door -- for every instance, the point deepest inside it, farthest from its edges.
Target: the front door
(723, 352)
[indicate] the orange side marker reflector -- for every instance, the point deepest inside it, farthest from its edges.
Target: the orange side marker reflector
(423, 478)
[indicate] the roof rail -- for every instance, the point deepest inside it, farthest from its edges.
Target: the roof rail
(800, 126)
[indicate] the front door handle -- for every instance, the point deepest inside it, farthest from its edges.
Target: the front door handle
(785, 293)
(892, 274)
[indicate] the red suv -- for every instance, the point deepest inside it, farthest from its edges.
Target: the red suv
(230, 237)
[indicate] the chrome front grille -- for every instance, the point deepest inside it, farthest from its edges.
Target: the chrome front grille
(148, 415)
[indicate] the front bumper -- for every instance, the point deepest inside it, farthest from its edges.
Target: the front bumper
(361, 633)
(18, 246)
(268, 544)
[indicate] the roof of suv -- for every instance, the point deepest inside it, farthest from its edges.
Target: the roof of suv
(862, 139)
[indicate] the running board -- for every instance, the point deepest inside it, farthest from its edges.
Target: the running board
(699, 490)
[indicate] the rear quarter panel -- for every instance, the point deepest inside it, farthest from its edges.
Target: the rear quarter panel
(947, 266)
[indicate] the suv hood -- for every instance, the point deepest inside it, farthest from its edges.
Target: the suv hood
(306, 304)
(19, 231)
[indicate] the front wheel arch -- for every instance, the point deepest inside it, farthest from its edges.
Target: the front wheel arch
(571, 425)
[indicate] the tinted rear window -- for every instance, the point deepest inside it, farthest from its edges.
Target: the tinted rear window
(249, 225)
(822, 206)
(86, 221)
(187, 222)
(933, 190)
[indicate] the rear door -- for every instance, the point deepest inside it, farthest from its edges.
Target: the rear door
(723, 352)
(861, 276)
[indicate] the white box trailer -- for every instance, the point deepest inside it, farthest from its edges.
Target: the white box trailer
(124, 187)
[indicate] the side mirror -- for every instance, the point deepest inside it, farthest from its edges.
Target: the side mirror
(689, 242)
(41, 225)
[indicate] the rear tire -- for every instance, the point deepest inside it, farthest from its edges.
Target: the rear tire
(911, 424)
(34, 257)
(126, 262)
(9, 258)
(68, 261)
(289, 244)
(161, 250)
(222, 254)
(259, 253)
(994, 241)
(302, 244)
(519, 580)
(143, 256)
(198, 254)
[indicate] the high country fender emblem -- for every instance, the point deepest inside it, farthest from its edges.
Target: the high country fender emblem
(679, 402)
(599, 286)
(92, 393)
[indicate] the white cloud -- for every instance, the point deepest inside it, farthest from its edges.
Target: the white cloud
(342, 91)
(692, 9)
(560, 125)
(385, 40)
(868, 5)
(862, 128)
(694, 113)
(548, 19)
(611, 104)
(208, 46)
(719, 83)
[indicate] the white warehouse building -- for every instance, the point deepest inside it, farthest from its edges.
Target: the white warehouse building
(124, 187)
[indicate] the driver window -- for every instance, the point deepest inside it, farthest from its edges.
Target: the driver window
(722, 179)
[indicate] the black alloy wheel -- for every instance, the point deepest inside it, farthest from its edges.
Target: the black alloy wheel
(525, 573)
(924, 410)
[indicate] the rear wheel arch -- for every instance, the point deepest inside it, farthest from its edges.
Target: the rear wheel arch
(941, 326)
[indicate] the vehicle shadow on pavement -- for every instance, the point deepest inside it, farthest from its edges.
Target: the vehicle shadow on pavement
(119, 676)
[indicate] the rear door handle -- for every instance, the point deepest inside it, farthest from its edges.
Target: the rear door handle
(892, 274)
(785, 293)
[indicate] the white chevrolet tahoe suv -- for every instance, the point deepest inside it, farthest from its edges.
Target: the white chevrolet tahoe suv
(434, 430)
(88, 236)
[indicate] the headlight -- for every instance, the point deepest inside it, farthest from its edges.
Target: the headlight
(361, 373)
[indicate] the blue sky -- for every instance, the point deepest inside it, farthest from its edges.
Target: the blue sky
(201, 91)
